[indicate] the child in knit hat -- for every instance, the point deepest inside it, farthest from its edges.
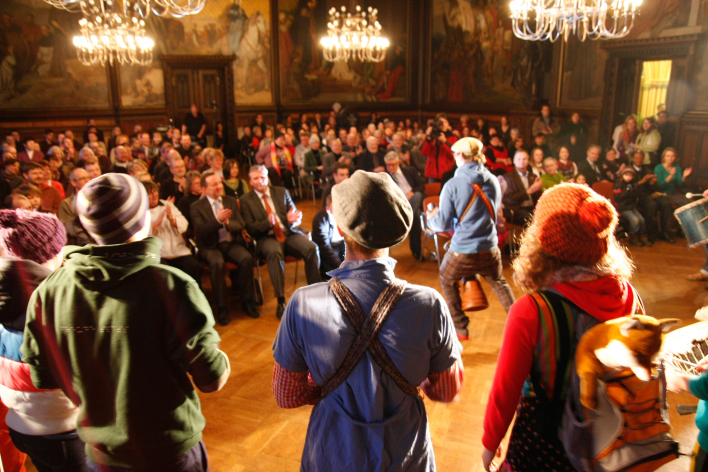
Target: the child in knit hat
(568, 252)
(42, 423)
(131, 336)
(627, 195)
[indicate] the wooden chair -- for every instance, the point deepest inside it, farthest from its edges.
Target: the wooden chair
(433, 189)
(228, 266)
(605, 188)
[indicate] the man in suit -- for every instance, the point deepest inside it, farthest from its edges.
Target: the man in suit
(123, 155)
(335, 155)
(31, 152)
(218, 225)
(48, 141)
(589, 167)
(328, 239)
(413, 187)
(174, 187)
(339, 174)
(271, 218)
(523, 189)
(371, 160)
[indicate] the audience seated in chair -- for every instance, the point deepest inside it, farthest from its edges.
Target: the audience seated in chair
(590, 167)
(218, 226)
(169, 225)
(522, 192)
(271, 219)
(340, 173)
(413, 187)
(328, 239)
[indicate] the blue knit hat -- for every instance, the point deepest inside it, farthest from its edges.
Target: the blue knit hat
(112, 208)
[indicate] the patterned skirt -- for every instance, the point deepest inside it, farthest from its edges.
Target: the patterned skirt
(531, 447)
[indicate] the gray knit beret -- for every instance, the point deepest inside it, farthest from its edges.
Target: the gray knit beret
(112, 208)
(371, 209)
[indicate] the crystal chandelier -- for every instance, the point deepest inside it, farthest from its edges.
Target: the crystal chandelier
(113, 37)
(175, 8)
(539, 20)
(355, 36)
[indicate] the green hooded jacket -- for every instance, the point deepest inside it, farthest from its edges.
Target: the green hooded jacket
(118, 332)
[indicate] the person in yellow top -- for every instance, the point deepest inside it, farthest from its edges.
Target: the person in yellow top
(551, 177)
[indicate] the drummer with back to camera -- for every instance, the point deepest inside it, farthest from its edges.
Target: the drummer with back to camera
(702, 275)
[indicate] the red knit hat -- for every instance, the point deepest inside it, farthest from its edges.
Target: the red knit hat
(575, 223)
(31, 235)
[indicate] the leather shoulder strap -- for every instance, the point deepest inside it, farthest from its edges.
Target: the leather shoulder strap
(477, 191)
(367, 339)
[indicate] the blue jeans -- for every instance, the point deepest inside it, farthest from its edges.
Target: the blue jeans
(62, 452)
(635, 220)
(194, 460)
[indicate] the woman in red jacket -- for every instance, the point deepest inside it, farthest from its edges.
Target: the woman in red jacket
(569, 249)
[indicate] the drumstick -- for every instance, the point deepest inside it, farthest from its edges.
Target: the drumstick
(682, 361)
(703, 219)
(690, 195)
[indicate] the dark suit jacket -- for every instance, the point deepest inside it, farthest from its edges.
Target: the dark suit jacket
(119, 169)
(256, 218)
(515, 193)
(322, 234)
(207, 226)
(589, 173)
(414, 180)
(368, 161)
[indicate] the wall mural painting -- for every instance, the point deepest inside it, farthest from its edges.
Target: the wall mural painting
(475, 57)
(582, 74)
(142, 86)
(306, 76)
(226, 27)
(659, 16)
(38, 64)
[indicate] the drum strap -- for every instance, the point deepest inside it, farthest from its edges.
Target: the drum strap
(368, 328)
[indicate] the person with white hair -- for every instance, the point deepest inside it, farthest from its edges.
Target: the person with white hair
(372, 159)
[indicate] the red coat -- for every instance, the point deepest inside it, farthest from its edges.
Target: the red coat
(440, 159)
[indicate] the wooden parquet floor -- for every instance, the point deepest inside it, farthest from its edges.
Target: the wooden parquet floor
(247, 432)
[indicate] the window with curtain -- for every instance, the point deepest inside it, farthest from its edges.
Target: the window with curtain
(654, 84)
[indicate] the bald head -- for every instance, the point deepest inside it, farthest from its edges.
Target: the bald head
(372, 144)
(172, 156)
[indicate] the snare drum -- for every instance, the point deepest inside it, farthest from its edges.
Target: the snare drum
(686, 347)
(694, 222)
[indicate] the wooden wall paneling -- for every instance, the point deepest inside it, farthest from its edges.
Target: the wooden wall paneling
(692, 146)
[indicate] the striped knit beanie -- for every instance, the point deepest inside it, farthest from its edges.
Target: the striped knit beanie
(30, 235)
(575, 223)
(112, 208)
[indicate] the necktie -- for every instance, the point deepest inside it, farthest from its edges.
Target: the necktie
(279, 235)
(224, 235)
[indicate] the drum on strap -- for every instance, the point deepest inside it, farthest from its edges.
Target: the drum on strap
(685, 347)
(694, 222)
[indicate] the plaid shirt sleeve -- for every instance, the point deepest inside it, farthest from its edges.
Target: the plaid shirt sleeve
(294, 389)
(445, 386)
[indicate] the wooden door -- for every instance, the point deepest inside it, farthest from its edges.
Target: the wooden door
(201, 81)
(202, 87)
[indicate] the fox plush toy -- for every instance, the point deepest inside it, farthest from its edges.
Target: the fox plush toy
(628, 342)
